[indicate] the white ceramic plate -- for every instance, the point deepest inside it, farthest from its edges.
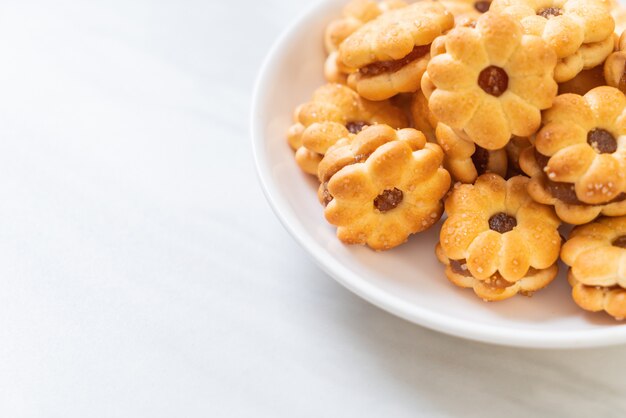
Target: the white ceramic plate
(406, 281)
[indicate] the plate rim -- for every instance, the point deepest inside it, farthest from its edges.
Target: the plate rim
(427, 318)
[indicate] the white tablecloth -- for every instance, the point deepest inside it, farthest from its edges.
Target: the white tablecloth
(143, 274)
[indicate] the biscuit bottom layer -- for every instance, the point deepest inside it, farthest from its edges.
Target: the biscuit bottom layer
(495, 281)
(495, 287)
(611, 300)
(382, 67)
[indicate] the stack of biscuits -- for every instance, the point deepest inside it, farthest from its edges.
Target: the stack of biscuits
(509, 116)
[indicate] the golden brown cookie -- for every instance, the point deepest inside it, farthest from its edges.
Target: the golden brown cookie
(588, 56)
(356, 149)
(355, 14)
(492, 81)
(390, 53)
(394, 192)
(583, 144)
(596, 254)
(465, 160)
(579, 31)
(497, 240)
(336, 111)
(615, 66)
(562, 195)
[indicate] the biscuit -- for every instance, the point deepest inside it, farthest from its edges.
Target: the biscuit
(394, 192)
(390, 53)
(497, 240)
(465, 160)
(583, 143)
(588, 56)
(615, 66)
(492, 81)
(334, 112)
(355, 14)
(596, 255)
(579, 31)
(562, 195)
(357, 149)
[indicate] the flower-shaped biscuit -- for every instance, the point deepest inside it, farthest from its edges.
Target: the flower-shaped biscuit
(335, 112)
(562, 195)
(390, 53)
(615, 66)
(497, 240)
(355, 14)
(395, 192)
(596, 254)
(580, 31)
(492, 81)
(583, 143)
(465, 160)
(356, 149)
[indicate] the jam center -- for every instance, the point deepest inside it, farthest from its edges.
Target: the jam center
(388, 199)
(356, 126)
(497, 282)
(381, 67)
(564, 192)
(482, 6)
(549, 12)
(620, 241)
(326, 196)
(602, 141)
(460, 267)
(501, 222)
(493, 80)
(480, 158)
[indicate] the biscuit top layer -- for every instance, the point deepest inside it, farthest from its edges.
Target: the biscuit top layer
(395, 34)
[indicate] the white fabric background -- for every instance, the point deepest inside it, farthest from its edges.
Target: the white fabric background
(143, 274)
